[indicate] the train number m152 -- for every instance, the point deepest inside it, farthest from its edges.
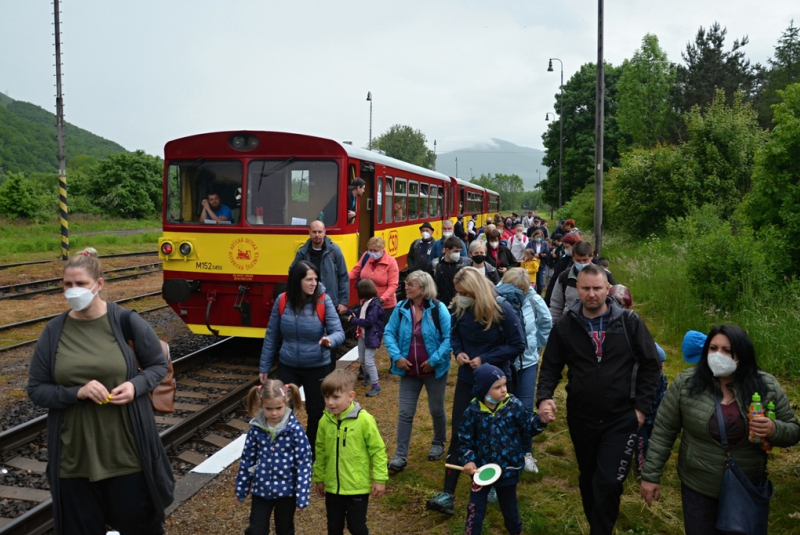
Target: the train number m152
(208, 266)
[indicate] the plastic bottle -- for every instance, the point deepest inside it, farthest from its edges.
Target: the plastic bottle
(756, 411)
(771, 416)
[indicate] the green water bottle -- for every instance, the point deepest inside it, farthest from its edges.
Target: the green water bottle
(756, 411)
(771, 410)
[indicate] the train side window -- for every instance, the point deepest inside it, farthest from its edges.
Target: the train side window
(400, 199)
(379, 200)
(423, 201)
(413, 200)
(440, 204)
(388, 201)
(190, 183)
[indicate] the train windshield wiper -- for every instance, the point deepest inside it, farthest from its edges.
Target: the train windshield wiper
(273, 169)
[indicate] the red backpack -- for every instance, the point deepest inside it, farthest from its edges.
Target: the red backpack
(320, 306)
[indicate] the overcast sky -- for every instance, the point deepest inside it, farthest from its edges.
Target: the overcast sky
(143, 72)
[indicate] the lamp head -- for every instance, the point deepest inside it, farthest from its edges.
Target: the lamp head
(369, 95)
(550, 66)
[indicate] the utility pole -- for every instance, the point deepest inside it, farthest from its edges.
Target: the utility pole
(598, 149)
(369, 98)
(63, 206)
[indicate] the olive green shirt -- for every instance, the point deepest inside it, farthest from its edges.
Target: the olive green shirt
(97, 440)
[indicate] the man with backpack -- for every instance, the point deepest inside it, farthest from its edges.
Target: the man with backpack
(447, 267)
(565, 291)
(419, 254)
(613, 374)
(327, 257)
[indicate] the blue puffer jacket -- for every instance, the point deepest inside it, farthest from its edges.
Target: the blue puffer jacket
(276, 463)
(498, 345)
(487, 436)
(538, 324)
(301, 335)
(397, 337)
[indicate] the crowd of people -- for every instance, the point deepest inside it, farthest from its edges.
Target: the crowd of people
(504, 307)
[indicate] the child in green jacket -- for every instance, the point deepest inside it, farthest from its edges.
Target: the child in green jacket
(351, 456)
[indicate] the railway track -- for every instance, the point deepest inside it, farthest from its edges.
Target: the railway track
(23, 289)
(120, 255)
(210, 397)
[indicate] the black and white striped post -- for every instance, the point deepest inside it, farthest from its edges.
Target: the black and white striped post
(62, 153)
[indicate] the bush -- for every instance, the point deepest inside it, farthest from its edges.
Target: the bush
(18, 198)
(127, 185)
(726, 266)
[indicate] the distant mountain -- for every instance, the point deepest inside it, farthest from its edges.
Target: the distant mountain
(28, 139)
(494, 156)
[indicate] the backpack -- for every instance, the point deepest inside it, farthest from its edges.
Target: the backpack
(163, 395)
(511, 241)
(364, 260)
(320, 306)
(514, 296)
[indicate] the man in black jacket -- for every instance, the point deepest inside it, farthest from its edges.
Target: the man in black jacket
(420, 251)
(613, 373)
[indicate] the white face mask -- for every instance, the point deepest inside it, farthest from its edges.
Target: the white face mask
(446, 234)
(721, 364)
(79, 298)
(455, 257)
(426, 235)
(494, 244)
(465, 302)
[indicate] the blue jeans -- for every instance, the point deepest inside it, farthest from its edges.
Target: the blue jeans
(410, 388)
(540, 278)
(476, 511)
(525, 392)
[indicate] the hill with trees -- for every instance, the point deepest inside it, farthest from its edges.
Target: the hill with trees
(28, 139)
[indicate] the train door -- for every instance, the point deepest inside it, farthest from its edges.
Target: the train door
(366, 212)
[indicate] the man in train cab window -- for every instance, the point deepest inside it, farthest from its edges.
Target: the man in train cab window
(329, 261)
(419, 254)
(214, 210)
(356, 190)
(448, 230)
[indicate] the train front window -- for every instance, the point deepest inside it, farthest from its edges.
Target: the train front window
(204, 192)
(292, 192)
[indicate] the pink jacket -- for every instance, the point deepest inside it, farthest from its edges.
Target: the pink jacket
(384, 273)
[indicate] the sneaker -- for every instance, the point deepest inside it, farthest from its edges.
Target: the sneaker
(436, 453)
(374, 391)
(530, 464)
(442, 502)
(398, 464)
(492, 496)
(366, 381)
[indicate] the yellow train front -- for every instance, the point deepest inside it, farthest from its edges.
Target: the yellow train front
(223, 277)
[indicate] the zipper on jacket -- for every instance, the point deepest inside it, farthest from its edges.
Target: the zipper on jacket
(338, 428)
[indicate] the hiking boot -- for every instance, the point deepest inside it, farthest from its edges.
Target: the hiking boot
(530, 464)
(492, 496)
(436, 453)
(366, 381)
(398, 464)
(361, 374)
(374, 391)
(442, 502)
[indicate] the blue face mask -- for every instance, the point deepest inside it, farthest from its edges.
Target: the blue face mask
(376, 256)
(538, 240)
(490, 399)
(580, 267)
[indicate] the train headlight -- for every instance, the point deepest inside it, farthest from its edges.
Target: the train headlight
(185, 248)
(243, 141)
(166, 248)
(237, 142)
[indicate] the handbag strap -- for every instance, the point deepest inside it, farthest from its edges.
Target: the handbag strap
(723, 435)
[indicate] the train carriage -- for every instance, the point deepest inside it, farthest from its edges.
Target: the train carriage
(224, 277)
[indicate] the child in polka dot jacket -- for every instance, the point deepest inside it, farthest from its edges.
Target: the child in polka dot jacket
(276, 462)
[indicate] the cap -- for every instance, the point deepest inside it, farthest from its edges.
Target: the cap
(485, 376)
(425, 225)
(693, 342)
(460, 216)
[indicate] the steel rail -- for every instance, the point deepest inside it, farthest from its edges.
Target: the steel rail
(45, 318)
(120, 255)
(57, 289)
(39, 520)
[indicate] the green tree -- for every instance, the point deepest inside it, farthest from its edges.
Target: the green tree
(775, 199)
(405, 143)
(510, 188)
(784, 70)
(18, 197)
(643, 91)
(709, 68)
(578, 115)
(127, 185)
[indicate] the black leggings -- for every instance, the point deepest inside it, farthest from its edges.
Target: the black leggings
(310, 379)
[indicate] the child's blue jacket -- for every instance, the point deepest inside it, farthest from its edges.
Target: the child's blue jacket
(277, 464)
(487, 436)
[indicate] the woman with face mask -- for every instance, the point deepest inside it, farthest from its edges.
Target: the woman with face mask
(380, 267)
(106, 461)
(484, 331)
(498, 255)
(726, 374)
(477, 253)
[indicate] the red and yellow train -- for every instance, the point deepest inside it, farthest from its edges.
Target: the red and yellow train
(224, 277)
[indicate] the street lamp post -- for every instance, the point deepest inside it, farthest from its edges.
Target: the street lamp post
(369, 98)
(561, 127)
(598, 143)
